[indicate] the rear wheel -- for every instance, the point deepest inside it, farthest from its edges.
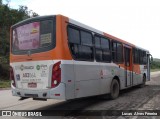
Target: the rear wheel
(114, 89)
(144, 82)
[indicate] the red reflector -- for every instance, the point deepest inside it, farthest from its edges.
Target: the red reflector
(57, 94)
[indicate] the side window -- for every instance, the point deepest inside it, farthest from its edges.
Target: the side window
(102, 49)
(73, 35)
(114, 51)
(127, 57)
(81, 44)
(86, 38)
(136, 56)
(97, 42)
(117, 52)
(141, 56)
(86, 47)
(104, 43)
(98, 49)
(144, 57)
(85, 52)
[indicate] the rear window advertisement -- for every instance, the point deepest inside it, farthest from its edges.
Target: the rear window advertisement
(26, 37)
(45, 39)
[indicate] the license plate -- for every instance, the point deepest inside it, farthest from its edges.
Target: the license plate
(32, 85)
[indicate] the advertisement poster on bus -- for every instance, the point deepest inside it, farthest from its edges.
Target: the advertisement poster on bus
(26, 37)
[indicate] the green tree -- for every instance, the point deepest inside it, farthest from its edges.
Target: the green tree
(8, 17)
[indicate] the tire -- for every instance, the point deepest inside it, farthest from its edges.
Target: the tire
(114, 89)
(144, 82)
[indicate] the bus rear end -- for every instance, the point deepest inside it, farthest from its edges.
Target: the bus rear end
(35, 59)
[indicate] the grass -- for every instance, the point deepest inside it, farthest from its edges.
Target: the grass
(5, 83)
(154, 70)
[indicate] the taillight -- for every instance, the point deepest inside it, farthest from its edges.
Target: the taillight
(56, 74)
(12, 77)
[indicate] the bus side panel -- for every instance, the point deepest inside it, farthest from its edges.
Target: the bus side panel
(121, 75)
(135, 78)
(143, 69)
(136, 74)
(87, 75)
(68, 78)
(106, 77)
(109, 71)
(68, 75)
(139, 79)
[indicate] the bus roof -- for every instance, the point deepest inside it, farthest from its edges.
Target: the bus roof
(80, 25)
(32, 19)
(103, 33)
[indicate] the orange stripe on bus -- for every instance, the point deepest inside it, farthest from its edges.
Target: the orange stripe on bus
(118, 39)
(61, 51)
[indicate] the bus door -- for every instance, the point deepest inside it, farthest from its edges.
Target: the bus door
(128, 67)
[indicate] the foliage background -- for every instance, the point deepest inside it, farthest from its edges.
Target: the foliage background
(8, 17)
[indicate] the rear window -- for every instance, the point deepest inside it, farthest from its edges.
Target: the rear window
(35, 36)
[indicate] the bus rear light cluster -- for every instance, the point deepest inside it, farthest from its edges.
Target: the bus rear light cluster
(56, 74)
(12, 77)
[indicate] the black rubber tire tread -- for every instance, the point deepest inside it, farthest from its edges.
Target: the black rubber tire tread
(114, 89)
(144, 82)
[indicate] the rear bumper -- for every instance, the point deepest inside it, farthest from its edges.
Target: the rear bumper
(53, 93)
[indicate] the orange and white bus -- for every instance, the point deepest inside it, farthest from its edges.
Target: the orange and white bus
(55, 57)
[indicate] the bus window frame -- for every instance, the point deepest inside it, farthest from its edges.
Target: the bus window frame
(42, 49)
(84, 30)
(101, 36)
(122, 44)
